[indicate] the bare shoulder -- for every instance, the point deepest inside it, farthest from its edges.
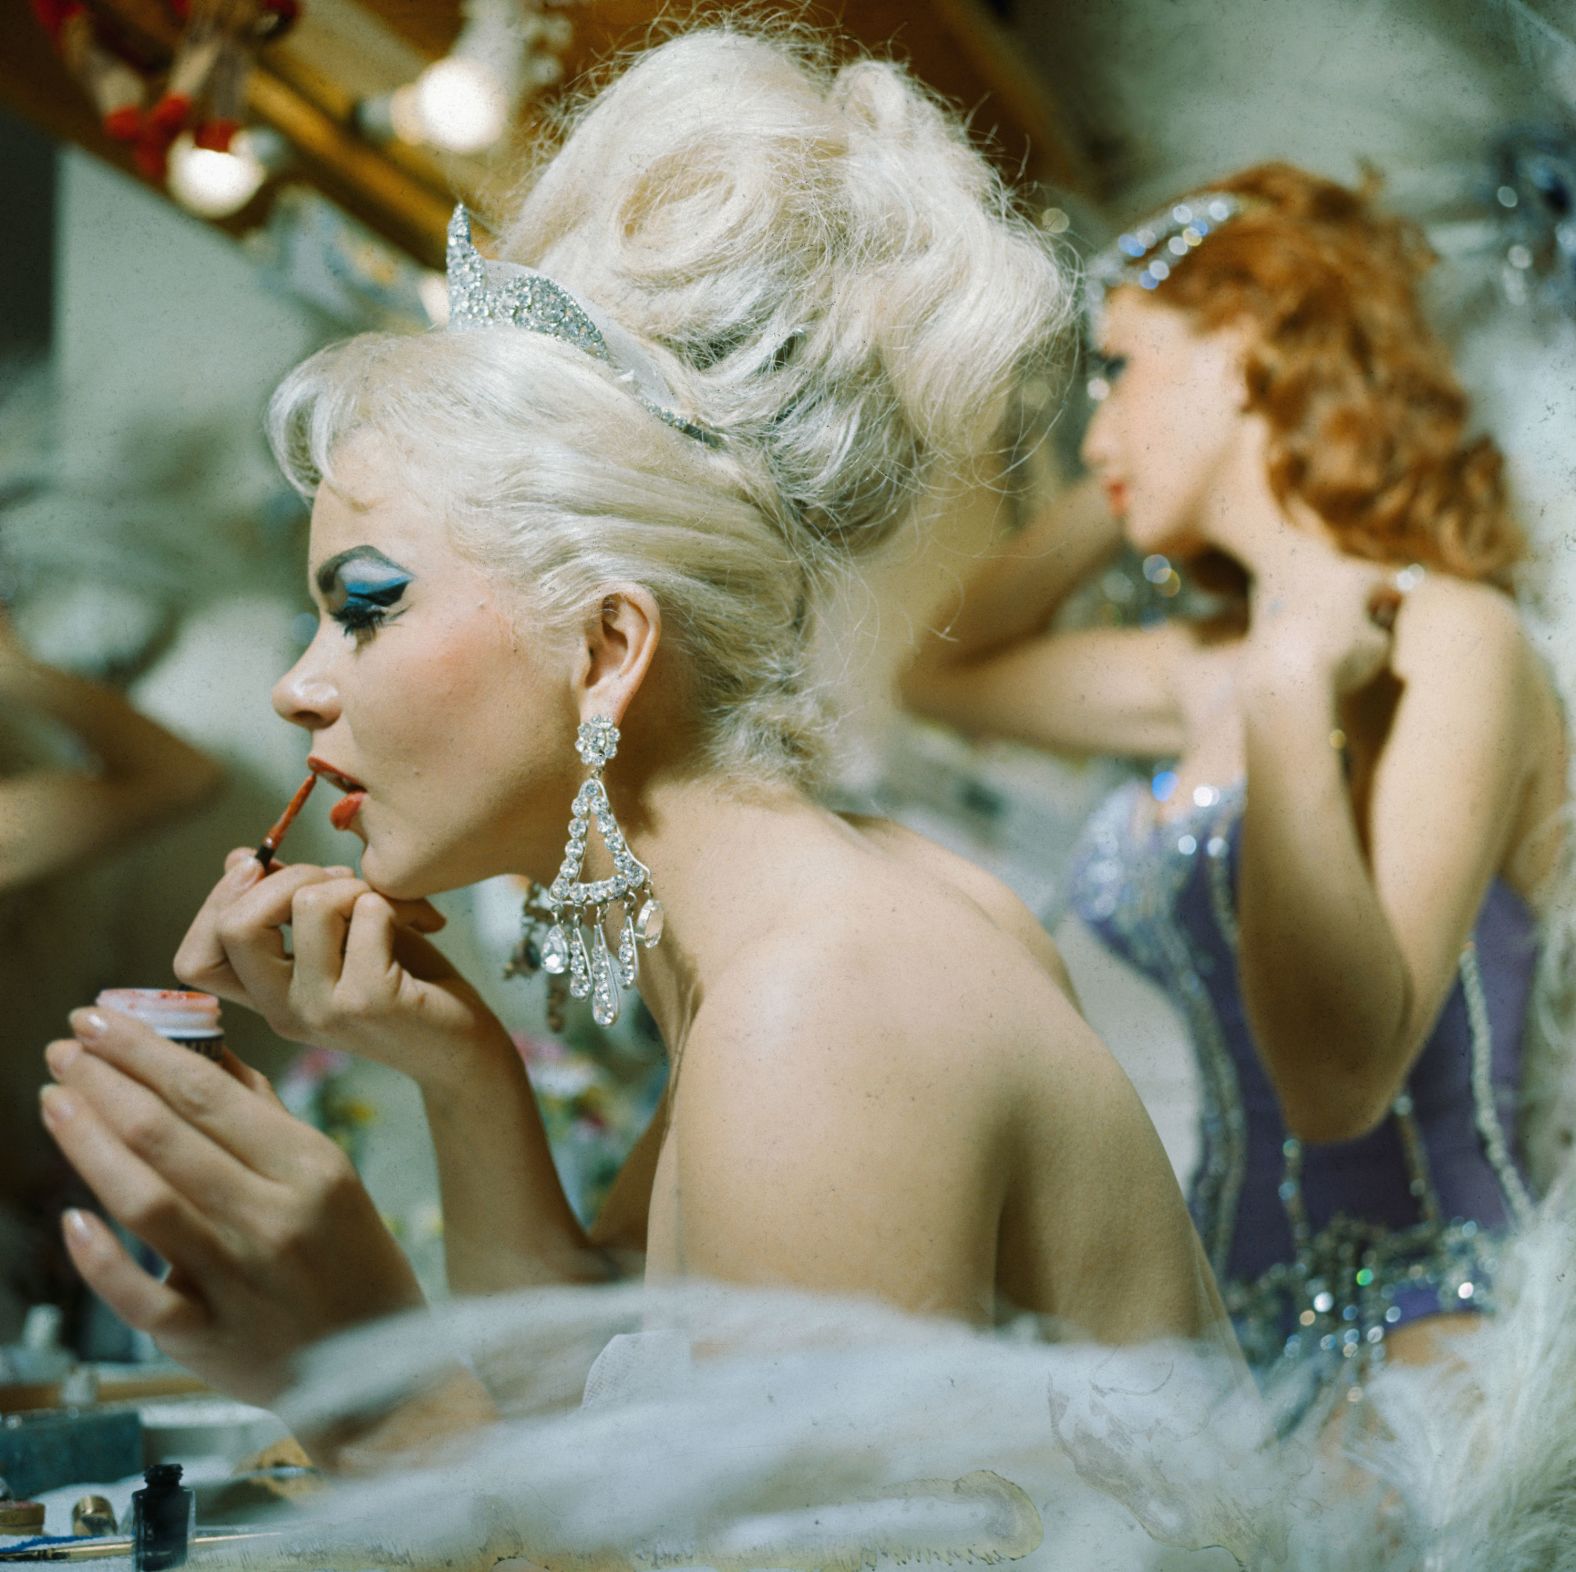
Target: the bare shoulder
(847, 1101)
(908, 987)
(873, 1092)
(1000, 904)
(1470, 666)
(857, 992)
(1454, 626)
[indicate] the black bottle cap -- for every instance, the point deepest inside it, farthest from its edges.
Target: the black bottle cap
(166, 1475)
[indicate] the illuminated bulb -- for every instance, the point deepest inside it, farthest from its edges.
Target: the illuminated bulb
(555, 32)
(543, 71)
(459, 104)
(215, 185)
(433, 288)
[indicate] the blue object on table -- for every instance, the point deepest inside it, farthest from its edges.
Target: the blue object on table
(42, 1451)
(44, 1542)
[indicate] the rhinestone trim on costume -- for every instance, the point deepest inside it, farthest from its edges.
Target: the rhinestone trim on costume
(1492, 1133)
(1339, 1292)
(1143, 908)
(1420, 1178)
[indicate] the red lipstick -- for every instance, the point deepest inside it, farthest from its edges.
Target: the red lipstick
(345, 810)
(270, 844)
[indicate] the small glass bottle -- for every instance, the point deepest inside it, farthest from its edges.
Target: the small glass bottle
(163, 1519)
(191, 1019)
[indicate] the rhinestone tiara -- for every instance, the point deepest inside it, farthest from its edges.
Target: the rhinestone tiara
(483, 293)
(1146, 253)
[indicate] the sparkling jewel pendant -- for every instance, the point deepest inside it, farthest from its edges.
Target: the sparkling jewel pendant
(628, 954)
(648, 926)
(555, 951)
(604, 989)
(579, 965)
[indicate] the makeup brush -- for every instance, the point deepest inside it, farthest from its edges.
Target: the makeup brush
(115, 1549)
(270, 843)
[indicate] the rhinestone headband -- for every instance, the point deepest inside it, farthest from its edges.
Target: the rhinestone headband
(1146, 253)
(483, 293)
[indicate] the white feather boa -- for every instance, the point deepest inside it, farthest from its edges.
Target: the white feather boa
(807, 1433)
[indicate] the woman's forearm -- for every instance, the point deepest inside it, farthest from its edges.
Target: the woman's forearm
(52, 819)
(454, 1406)
(1023, 587)
(507, 1222)
(1323, 977)
(129, 746)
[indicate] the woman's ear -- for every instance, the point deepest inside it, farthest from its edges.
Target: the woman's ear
(620, 640)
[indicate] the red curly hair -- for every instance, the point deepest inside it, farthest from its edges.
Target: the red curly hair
(1367, 421)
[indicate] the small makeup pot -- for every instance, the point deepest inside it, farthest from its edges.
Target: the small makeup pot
(22, 1517)
(92, 1518)
(191, 1019)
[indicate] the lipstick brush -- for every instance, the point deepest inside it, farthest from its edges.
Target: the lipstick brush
(270, 843)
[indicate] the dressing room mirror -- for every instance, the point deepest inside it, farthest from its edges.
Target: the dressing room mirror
(1224, 668)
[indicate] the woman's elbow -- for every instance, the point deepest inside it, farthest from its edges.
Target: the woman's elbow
(1343, 1092)
(1341, 1106)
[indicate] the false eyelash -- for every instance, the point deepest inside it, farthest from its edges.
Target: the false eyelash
(358, 617)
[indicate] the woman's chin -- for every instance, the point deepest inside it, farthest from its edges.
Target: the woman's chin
(1162, 538)
(388, 877)
(401, 880)
(1147, 536)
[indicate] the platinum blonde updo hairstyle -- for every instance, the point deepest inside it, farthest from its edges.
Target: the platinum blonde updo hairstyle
(832, 278)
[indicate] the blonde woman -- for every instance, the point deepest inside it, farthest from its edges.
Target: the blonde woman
(776, 303)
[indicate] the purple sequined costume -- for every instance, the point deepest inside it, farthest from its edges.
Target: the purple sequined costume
(1320, 1249)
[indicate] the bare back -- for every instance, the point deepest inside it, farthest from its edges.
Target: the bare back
(893, 1095)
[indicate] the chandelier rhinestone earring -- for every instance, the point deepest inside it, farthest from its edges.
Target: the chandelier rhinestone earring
(576, 911)
(542, 948)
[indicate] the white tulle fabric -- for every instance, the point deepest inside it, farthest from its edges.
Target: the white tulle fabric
(690, 1425)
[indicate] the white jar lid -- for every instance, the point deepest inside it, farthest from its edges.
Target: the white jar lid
(170, 1011)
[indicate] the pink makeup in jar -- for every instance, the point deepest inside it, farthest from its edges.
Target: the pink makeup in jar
(191, 1019)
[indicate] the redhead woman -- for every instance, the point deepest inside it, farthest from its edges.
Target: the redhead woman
(568, 554)
(1336, 875)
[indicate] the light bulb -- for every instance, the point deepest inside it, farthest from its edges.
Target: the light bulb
(460, 104)
(215, 185)
(433, 288)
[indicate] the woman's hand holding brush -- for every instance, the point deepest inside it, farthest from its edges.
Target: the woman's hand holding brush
(357, 975)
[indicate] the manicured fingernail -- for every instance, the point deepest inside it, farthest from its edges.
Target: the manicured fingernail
(248, 871)
(62, 1055)
(56, 1104)
(89, 1025)
(77, 1226)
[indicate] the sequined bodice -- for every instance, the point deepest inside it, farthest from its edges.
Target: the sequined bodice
(1319, 1246)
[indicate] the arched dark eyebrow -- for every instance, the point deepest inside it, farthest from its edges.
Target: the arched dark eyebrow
(329, 571)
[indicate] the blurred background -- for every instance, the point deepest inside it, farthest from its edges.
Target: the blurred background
(198, 193)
